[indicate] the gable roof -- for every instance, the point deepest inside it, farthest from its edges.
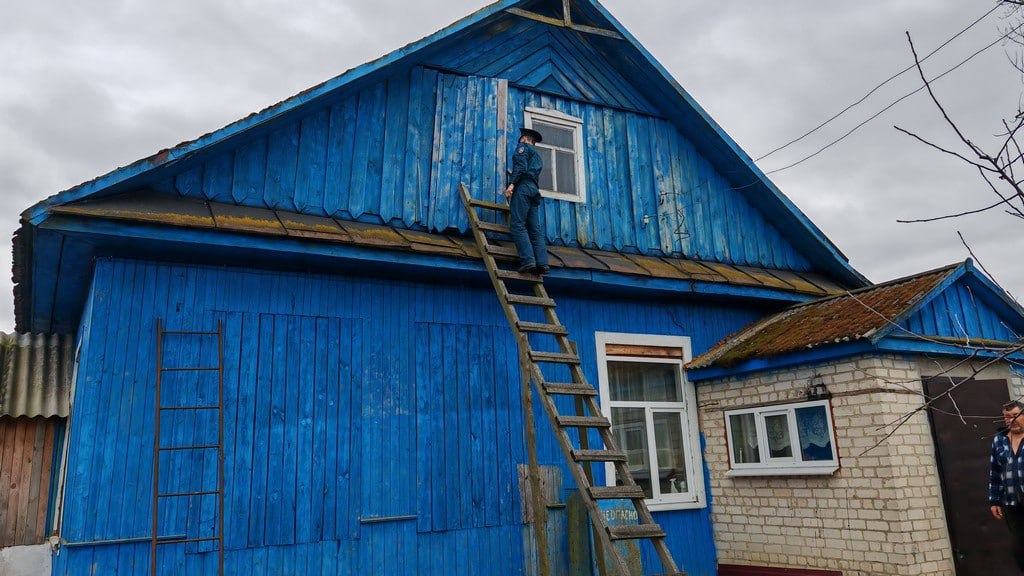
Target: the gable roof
(870, 315)
(623, 52)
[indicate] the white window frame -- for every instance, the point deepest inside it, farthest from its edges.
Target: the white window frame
(785, 466)
(566, 121)
(696, 497)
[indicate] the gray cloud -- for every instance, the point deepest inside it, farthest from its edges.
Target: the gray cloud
(87, 87)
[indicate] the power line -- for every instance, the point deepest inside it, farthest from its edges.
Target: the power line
(897, 101)
(876, 88)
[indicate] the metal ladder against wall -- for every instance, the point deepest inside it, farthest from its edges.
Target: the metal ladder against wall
(158, 449)
(579, 460)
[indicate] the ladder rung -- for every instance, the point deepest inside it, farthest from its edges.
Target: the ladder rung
(184, 540)
(543, 328)
(198, 447)
(214, 407)
(491, 227)
(617, 492)
(183, 369)
(503, 251)
(598, 456)
(488, 205)
(635, 532)
(178, 494)
(569, 389)
(584, 422)
(530, 300)
(513, 275)
(554, 357)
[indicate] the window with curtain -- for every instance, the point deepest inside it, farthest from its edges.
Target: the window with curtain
(653, 417)
(786, 439)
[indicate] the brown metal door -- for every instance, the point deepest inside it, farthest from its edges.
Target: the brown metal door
(981, 544)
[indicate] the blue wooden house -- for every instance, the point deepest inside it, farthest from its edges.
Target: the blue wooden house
(315, 257)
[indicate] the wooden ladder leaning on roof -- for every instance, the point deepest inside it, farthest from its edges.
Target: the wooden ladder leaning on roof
(579, 459)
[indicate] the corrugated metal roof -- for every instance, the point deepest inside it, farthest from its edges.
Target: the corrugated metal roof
(35, 374)
(831, 320)
(169, 210)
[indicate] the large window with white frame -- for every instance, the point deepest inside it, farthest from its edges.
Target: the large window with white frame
(562, 153)
(782, 440)
(652, 408)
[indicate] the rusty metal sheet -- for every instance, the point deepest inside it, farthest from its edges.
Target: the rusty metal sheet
(144, 207)
(764, 277)
(374, 235)
(435, 249)
(419, 237)
(822, 282)
(797, 282)
(695, 270)
(309, 226)
(575, 258)
(467, 245)
(731, 274)
(658, 267)
(617, 262)
(246, 219)
(828, 320)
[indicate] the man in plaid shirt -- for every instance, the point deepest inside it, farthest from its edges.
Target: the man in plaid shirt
(1006, 477)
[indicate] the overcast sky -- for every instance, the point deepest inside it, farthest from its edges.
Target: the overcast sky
(89, 86)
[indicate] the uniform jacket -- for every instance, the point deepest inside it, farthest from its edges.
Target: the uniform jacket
(526, 166)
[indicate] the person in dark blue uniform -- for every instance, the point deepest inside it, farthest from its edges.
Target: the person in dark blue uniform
(524, 204)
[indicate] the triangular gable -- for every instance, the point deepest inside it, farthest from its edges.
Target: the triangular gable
(639, 81)
(968, 307)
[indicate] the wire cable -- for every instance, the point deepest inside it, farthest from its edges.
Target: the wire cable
(876, 88)
(897, 101)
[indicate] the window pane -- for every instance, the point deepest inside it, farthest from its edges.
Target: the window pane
(744, 439)
(640, 382)
(668, 438)
(547, 174)
(777, 427)
(630, 428)
(555, 135)
(815, 438)
(566, 172)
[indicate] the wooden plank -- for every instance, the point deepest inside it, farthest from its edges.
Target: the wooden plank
(30, 530)
(643, 351)
(367, 160)
(263, 419)
(282, 161)
(477, 431)
(217, 175)
(321, 448)
(311, 169)
(635, 532)
(396, 131)
(340, 148)
(250, 170)
(304, 446)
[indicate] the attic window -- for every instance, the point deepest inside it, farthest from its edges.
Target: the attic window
(562, 152)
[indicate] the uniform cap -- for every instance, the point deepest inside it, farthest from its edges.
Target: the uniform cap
(532, 134)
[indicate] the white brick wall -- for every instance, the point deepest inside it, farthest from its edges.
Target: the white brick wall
(880, 514)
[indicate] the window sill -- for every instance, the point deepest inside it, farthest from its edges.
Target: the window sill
(563, 197)
(667, 506)
(784, 471)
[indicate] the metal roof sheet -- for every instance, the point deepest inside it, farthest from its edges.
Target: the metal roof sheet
(844, 317)
(35, 374)
(189, 213)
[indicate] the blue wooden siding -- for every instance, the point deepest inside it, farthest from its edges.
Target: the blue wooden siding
(961, 311)
(344, 396)
(395, 152)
